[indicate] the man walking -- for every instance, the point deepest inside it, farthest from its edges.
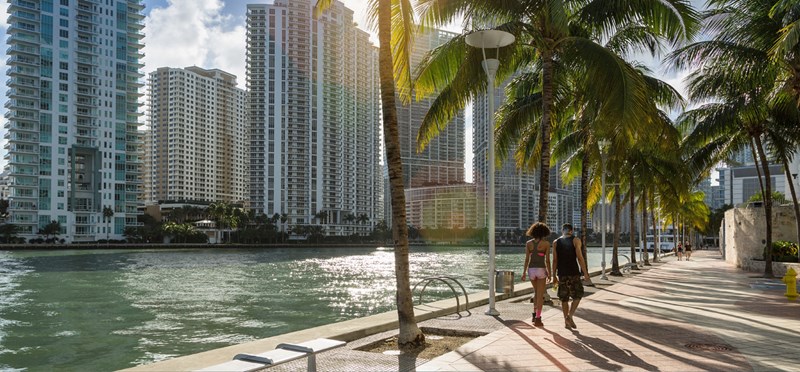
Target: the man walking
(567, 274)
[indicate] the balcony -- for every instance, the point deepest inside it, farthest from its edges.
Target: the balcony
(23, 71)
(21, 115)
(85, 18)
(20, 104)
(22, 4)
(23, 92)
(16, 27)
(22, 49)
(23, 137)
(86, 61)
(13, 125)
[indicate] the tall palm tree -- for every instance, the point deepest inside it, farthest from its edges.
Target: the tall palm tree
(550, 36)
(395, 24)
(108, 214)
(749, 71)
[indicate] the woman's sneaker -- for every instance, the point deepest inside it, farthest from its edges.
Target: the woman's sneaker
(537, 322)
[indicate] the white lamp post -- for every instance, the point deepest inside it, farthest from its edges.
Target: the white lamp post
(603, 146)
(490, 39)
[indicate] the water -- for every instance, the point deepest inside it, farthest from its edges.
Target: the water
(112, 309)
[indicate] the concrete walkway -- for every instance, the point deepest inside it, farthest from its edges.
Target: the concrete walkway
(699, 315)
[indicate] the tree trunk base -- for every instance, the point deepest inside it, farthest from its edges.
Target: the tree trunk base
(413, 345)
(615, 273)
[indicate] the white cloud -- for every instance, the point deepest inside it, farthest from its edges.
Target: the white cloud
(194, 32)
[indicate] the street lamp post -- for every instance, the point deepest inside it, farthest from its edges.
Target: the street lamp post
(603, 145)
(490, 39)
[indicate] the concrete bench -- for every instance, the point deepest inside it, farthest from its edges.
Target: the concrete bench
(283, 353)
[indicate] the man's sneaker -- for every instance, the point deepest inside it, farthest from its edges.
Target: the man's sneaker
(571, 323)
(537, 322)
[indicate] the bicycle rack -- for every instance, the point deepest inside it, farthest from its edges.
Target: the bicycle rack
(444, 279)
(626, 269)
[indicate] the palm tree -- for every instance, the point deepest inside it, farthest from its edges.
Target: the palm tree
(108, 214)
(395, 20)
(749, 71)
(550, 38)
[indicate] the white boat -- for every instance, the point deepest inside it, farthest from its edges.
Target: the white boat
(666, 240)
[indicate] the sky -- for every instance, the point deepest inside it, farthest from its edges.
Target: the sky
(211, 34)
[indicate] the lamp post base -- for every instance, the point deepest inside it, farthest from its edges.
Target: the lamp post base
(492, 312)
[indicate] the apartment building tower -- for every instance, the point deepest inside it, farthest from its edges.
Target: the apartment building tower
(314, 117)
(72, 116)
(517, 190)
(442, 161)
(196, 146)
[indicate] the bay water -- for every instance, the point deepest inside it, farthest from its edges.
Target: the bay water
(112, 309)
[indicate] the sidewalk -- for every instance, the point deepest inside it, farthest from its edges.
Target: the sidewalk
(697, 315)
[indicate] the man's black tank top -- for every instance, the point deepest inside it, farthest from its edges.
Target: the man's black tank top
(567, 260)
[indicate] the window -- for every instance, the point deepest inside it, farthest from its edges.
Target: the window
(63, 33)
(63, 65)
(63, 23)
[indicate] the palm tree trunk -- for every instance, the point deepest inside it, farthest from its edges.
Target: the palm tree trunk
(584, 198)
(792, 191)
(643, 201)
(615, 252)
(633, 223)
(656, 242)
(676, 232)
(410, 337)
(756, 161)
(547, 112)
(767, 206)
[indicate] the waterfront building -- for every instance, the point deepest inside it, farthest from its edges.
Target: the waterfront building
(739, 183)
(196, 146)
(442, 207)
(442, 161)
(72, 118)
(517, 190)
(313, 116)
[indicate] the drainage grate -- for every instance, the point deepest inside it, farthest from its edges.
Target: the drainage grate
(709, 347)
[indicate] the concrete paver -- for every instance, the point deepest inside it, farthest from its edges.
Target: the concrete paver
(699, 315)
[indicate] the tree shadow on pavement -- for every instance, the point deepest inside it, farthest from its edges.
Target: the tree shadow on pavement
(517, 326)
(666, 338)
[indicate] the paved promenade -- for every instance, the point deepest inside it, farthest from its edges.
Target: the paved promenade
(699, 315)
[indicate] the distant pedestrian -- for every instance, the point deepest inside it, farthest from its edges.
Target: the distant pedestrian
(679, 251)
(688, 251)
(568, 263)
(537, 267)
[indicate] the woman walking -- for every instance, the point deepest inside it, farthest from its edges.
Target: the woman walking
(537, 266)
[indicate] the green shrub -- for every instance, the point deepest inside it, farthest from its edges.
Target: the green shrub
(783, 251)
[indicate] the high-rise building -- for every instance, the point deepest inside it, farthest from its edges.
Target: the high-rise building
(442, 161)
(517, 190)
(72, 119)
(196, 146)
(313, 112)
(740, 183)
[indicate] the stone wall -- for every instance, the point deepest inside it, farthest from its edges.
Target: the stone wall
(743, 234)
